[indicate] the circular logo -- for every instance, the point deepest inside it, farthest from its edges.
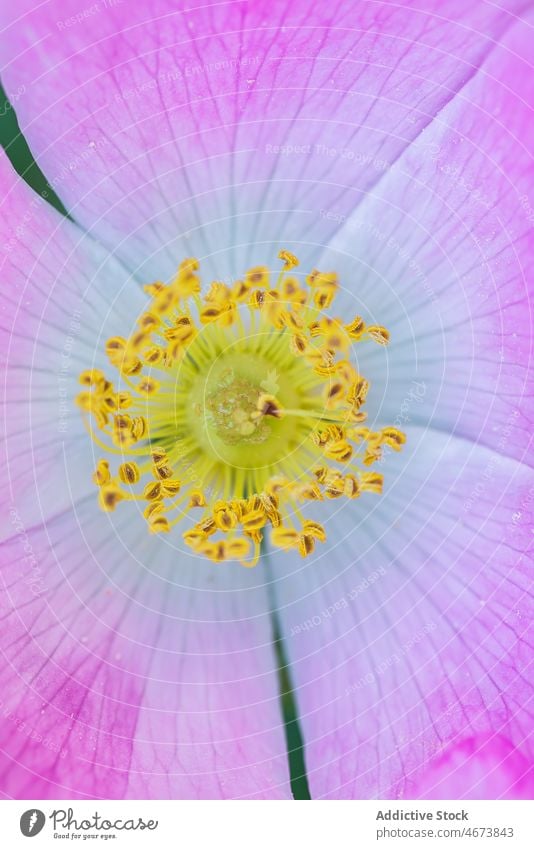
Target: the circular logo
(32, 822)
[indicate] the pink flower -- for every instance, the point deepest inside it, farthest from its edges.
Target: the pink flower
(393, 145)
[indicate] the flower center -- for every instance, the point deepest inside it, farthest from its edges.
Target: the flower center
(233, 410)
(242, 405)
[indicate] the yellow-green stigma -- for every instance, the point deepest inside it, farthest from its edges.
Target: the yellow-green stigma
(239, 406)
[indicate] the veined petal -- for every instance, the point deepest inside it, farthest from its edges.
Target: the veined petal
(220, 128)
(231, 193)
(59, 291)
(440, 252)
(132, 670)
(408, 636)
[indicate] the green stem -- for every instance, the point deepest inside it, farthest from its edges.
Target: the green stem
(288, 703)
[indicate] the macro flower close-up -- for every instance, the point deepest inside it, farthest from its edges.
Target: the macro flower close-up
(265, 323)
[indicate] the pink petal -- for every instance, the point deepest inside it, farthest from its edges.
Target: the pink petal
(58, 307)
(488, 766)
(161, 128)
(408, 633)
(129, 669)
(132, 670)
(454, 702)
(440, 253)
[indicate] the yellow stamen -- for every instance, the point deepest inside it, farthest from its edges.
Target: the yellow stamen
(290, 260)
(256, 410)
(129, 473)
(102, 474)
